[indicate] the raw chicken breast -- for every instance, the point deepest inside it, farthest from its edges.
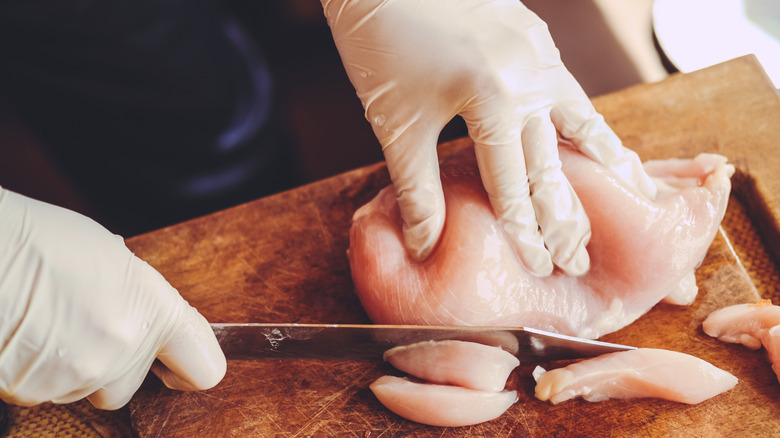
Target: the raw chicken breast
(751, 325)
(641, 250)
(467, 364)
(441, 405)
(639, 373)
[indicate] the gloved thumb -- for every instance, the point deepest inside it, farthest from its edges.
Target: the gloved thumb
(191, 359)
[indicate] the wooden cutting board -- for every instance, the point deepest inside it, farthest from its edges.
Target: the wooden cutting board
(282, 259)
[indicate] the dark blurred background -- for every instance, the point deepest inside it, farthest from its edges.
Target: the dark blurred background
(312, 122)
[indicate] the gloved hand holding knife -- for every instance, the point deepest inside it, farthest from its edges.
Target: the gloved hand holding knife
(81, 316)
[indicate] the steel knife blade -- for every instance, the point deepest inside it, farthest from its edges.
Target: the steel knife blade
(370, 341)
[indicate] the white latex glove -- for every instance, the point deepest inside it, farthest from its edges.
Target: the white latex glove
(81, 316)
(417, 63)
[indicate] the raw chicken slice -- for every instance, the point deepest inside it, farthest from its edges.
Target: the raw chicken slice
(751, 325)
(639, 373)
(466, 364)
(641, 251)
(441, 405)
(744, 324)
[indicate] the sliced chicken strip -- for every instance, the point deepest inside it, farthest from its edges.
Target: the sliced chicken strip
(640, 373)
(752, 325)
(467, 364)
(441, 405)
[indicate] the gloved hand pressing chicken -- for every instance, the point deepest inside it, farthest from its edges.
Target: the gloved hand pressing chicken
(81, 316)
(418, 63)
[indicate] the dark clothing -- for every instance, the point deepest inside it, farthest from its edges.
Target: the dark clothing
(157, 110)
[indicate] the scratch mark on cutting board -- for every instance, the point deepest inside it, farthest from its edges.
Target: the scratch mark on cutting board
(274, 422)
(263, 276)
(258, 275)
(332, 399)
(252, 416)
(368, 429)
(253, 253)
(520, 417)
(171, 409)
(326, 235)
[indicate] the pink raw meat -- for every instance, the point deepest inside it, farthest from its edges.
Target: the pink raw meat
(467, 364)
(441, 405)
(640, 373)
(752, 325)
(641, 251)
(462, 383)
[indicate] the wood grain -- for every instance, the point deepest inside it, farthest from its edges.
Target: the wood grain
(283, 258)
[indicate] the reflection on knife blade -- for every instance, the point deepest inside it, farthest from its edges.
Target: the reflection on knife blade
(370, 341)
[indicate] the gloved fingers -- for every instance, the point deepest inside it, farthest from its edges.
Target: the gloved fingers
(503, 170)
(579, 122)
(414, 169)
(562, 218)
(191, 359)
(118, 393)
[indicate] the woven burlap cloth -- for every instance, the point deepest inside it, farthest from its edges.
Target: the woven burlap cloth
(82, 420)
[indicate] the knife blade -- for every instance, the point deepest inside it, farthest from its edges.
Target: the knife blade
(370, 341)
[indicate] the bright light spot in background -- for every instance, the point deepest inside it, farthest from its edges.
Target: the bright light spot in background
(695, 34)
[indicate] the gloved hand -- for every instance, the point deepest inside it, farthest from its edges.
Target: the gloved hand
(81, 316)
(417, 63)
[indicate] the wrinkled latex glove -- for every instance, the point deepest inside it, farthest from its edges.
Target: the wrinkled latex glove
(417, 63)
(81, 316)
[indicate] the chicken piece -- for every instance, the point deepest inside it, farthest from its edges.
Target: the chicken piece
(752, 325)
(639, 373)
(466, 364)
(467, 377)
(641, 251)
(685, 293)
(744, 324)
(771, 343)
(441, 405)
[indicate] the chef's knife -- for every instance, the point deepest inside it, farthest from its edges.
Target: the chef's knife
(369, 341)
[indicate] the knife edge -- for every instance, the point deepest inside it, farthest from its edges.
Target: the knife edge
(252, 341)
